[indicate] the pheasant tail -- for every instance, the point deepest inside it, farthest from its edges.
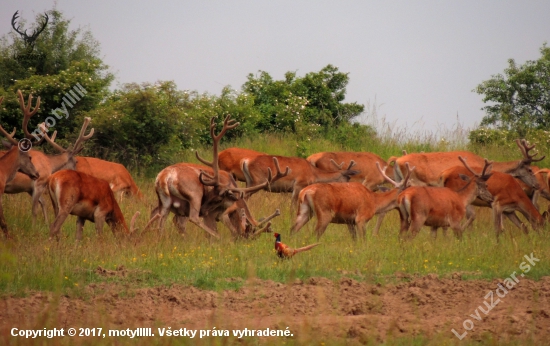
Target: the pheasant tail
(306, 248)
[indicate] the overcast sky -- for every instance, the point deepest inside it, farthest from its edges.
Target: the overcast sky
(419, 60)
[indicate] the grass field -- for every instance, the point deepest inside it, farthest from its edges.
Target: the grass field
(31, 262)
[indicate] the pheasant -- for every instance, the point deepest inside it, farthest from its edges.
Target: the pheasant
(284, 251)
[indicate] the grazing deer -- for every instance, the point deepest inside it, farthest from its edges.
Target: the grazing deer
(350, 203)
(88, 198)
(193, 191)
(430, 165)
(45, 164)
(301, 174)
(543, 191)
(17, 159)
(118, 177)
(507, 194)
(365, 164)
(440, 206)
(231, 161)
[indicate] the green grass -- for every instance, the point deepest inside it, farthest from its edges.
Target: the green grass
(33, 262)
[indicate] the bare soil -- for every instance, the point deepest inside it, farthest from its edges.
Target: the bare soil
(315, 310)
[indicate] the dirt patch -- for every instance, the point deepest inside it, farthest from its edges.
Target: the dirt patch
(317, 309)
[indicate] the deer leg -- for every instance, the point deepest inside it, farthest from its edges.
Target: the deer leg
(57, 223)
(194, 209)
(3, 224)
(36, 195)
(535, 198)
(434, 232)
(516, 221)
(180, 222)
(405, 224)
(379, 220)
(304, 214)
(79, 227)
(497, 217)
(352, 231)
(43, 206)
(415, 226)
(322, 224)
(470, 215)
(361, 226)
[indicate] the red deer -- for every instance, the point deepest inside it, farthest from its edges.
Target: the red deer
(508, 197)
(350, 203)
(193, 191)
(45, 164)
(231, 160)
(17, 159)
(543, 191)
(115, 174)
(430, 165)
(88, 198)
(365, 164)
(440, 206)
(301, 174)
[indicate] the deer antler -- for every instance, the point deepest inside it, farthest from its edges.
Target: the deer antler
(79, 144)
(270, 179)
(525, 148)
(28, 113)
(484, 172)
(402, 184)
(51, 140)
(228, 124)
(9, 136)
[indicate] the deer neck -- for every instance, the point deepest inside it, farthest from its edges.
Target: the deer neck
(385, 201)
(9, 164)
(58, 162)
(468, 193)
(506, 166)
(322, 176)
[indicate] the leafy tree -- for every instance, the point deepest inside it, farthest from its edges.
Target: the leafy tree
(139, 124)
(317, 98)
(519, 99)
(61, 58)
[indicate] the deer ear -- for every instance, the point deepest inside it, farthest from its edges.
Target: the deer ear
(464, 177)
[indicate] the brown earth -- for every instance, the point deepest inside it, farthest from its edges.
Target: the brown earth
(315, 310)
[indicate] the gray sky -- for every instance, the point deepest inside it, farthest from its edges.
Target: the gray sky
(420, 60)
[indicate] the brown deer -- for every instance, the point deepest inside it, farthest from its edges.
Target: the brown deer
(507, 194)
(365, 163)
(349, 203)
(88, 198)
(17, 159)
(231, 161)
(193, 191)
(45, 164)
(440, 206)
(301, 173)
(118, 177)
(430, 165)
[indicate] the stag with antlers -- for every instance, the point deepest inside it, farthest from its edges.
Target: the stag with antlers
(440, 206)
(45, 164)
(17, 159)
(350, 203)
(430, 165)
(193, 191)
